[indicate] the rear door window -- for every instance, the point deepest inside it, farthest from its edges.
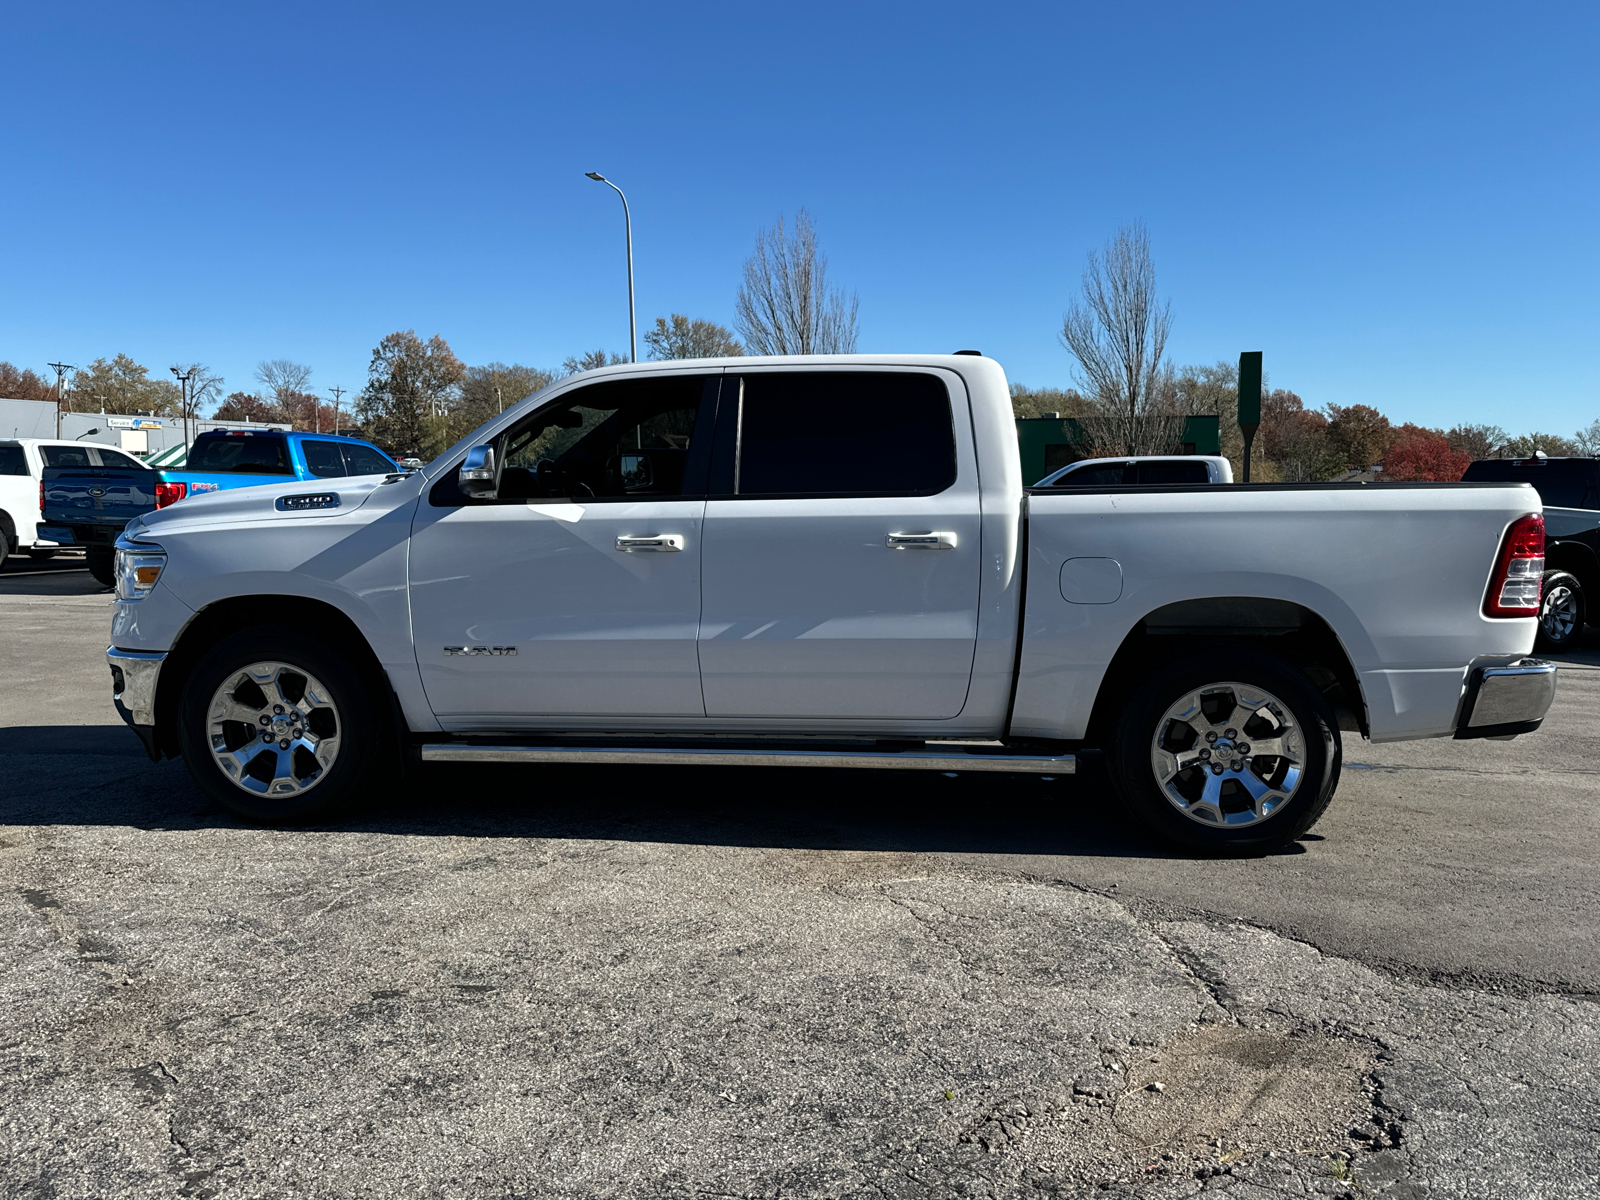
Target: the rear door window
(115, 458)
(13, 461)
(65, 456)
(323, 459)
(1106, 475)
(249, 455)
(364, 460)
(841, 433)
(1172, 472)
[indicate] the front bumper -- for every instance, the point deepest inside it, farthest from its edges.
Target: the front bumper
(1505, 701)
(134, 675)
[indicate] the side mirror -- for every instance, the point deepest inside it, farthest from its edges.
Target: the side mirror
(636, 473)
(476, 478)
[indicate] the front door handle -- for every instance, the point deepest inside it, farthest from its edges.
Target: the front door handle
(659, 543)
(939, 539)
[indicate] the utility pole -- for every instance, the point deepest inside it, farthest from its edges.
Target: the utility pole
(497, 398)
(60, 369)
(627, 225)
(183, 392)
(337, 392)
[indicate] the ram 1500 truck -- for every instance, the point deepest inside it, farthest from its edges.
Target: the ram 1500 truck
(88, 504)
(819, 561)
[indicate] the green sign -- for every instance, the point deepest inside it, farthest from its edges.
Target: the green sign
(1250, 389)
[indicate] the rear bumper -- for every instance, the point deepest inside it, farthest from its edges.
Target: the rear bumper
(134, 675)
(78, 535)
(1505, 701)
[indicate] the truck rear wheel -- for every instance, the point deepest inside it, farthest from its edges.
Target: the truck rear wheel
(101, 562)
(1230, 751)
(277, 725)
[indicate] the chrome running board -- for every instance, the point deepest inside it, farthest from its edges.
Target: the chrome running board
(949, 756)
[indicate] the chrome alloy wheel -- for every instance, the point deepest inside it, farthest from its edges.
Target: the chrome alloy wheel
(1228, 754)
(273, 729)
(1559, 613)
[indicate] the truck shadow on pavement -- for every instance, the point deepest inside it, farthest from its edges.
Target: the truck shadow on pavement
(64, 574)
(98, 775)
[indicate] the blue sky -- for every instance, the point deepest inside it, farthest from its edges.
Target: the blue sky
(1396, 203)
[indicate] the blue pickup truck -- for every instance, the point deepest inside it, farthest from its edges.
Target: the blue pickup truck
(88, 506)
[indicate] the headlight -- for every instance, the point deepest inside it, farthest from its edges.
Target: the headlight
(137, 569)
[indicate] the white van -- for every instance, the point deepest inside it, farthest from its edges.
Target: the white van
(21, 462)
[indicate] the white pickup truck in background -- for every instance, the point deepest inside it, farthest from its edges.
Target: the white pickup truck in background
(1146, 468)
(22, 462)
(820, 561)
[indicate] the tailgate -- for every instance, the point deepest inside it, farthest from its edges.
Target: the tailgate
(88, 496)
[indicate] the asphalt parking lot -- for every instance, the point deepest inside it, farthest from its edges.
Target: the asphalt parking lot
(680, 982)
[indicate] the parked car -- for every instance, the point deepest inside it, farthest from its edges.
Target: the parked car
(819, 561)
(1570, 489)
(22, 464)
(1142, 469)
(88, 504)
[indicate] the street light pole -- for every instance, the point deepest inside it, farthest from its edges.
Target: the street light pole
(627, 225)
(183, 392)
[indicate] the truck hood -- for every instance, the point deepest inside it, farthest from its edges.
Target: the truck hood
(301, 500)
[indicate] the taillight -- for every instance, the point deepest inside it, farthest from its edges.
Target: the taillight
(171, 493)
(41, 499)
(1518, 571)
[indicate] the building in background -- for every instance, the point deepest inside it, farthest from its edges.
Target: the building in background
(156, 440)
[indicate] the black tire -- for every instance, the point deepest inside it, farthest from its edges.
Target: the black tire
(101, 562)
(1133, 746)
(5, 549)
(368, 751)
(1562, 612)
(42, 553)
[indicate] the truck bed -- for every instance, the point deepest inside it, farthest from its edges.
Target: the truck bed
(1396, 572)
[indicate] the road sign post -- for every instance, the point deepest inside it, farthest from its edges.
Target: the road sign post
(1249, 402)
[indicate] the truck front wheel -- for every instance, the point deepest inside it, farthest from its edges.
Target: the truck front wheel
(101, 564)
(276, 724)
(1561, 611)
(1231, 751)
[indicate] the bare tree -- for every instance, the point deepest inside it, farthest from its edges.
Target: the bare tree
(204, 387)
(285, 384)
(1118, 334)
(1587, 440)
(784, 305)
(591, 361)
(683, 338)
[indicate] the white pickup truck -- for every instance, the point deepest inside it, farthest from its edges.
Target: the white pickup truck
(814, 562)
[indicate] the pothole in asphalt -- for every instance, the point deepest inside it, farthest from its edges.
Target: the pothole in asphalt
(1252, 1090)
(1262, 1105)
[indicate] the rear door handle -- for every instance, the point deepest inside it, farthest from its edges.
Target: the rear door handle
(660, 542)
(939, 539)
